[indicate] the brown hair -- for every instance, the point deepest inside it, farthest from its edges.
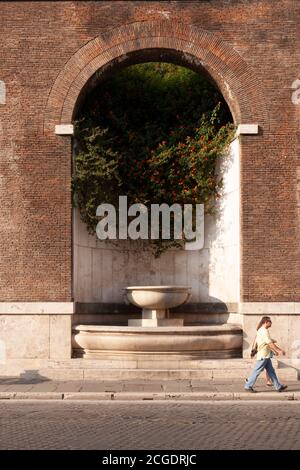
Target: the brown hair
(262, 322)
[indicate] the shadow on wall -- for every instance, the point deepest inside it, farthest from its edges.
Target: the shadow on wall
(118, 314)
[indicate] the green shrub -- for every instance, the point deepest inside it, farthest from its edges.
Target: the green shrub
(152, 132)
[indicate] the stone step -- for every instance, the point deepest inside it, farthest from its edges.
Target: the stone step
(146, 374)
(157, 362)
(87, 369)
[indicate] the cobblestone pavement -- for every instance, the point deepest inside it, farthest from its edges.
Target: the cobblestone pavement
(149, 426)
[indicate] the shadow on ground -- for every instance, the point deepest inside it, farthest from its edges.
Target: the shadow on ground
(26, 377)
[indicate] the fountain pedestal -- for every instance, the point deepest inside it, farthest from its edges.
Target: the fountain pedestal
(155, 302)
(156, 317)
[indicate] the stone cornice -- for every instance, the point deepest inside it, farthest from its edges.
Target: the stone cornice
(36, 308)
(269, 308)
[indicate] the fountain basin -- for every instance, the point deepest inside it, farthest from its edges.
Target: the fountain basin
(189, 342)
(158, 297)
(155, 302)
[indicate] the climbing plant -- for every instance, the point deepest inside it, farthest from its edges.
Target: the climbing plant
(152, 132)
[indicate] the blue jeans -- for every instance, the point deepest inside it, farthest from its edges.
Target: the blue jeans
(260, 365)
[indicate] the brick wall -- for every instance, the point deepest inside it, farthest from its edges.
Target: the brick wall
(256, 41)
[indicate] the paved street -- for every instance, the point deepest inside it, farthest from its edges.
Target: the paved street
(156, 425)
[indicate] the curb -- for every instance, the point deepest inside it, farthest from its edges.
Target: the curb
(148, 396)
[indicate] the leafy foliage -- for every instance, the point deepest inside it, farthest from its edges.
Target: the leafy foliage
(152, 132)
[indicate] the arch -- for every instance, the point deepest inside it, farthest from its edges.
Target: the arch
(233, 76)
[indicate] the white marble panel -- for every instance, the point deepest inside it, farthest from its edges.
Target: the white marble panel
(293, 345)
(97, 274)
(180, 267)
(84, 292)
(167, 266)
(75, 224)
(75, 270)
(125, 255)
(228, 168)
(156, 271)
(132, 269)
(193, 275)
(107, 274)
(226, 230)
(25, 336)
(202, 258)
(223, 274)
(83, 237)
(60, 337)
(143, 263)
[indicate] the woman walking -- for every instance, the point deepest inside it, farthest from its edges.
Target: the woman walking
(265, 349)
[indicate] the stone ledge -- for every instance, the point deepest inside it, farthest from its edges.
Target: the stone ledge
(247, 129)
(269, 308)
(36, 308)
(64, 129)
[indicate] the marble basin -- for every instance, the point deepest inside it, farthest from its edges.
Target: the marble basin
(155, 302)
(158, 297)
(157, 347)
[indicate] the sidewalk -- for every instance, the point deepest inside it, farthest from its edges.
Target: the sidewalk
(190, 389)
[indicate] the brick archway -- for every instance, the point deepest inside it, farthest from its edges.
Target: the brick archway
(222, 62)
